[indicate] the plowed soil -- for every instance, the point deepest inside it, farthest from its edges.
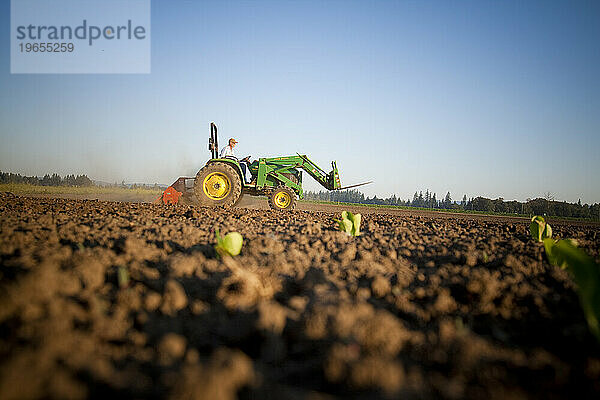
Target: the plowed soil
(124, 300)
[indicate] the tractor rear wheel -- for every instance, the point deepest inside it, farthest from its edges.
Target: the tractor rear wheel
(218, 184)
(282, 198)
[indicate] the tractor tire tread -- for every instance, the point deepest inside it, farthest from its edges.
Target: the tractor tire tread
(236, 185)
(271, 198)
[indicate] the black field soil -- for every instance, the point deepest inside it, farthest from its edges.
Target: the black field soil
(129, 300)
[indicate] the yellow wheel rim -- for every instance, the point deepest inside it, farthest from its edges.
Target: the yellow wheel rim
(282, 199)
(216, 186)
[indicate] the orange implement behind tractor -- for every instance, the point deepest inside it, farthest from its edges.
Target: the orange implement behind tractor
(172, 194)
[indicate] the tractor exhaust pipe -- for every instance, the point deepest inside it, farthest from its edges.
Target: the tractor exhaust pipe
(213, 141)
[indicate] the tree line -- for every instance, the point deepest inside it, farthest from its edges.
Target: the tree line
(47, 180)
(538, 206)
(70, 180)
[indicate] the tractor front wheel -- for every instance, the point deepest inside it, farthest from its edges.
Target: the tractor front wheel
(218, 184)
(282, 198)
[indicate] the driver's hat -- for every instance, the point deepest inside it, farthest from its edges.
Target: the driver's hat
(232, 140)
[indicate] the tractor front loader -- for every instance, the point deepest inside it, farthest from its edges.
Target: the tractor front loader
(221, 181)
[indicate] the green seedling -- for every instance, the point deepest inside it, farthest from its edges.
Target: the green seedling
(230, 244)
(584, 269)
(586, 274)
(539, 229)
(350, 223)
(554, 254)
(123, 277)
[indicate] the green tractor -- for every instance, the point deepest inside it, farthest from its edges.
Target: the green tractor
(221, 181)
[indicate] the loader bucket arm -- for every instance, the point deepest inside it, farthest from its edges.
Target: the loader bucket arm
(330, 181)
(277, 165)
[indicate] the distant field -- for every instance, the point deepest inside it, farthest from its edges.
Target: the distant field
(21, 188)
(437, 210)
(446, 210)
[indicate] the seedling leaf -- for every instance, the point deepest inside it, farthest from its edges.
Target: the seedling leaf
(548, 232)
(230, 244)
(350, 223)
(346, 226)
(356, 225)
(586, 274)
(539, 229)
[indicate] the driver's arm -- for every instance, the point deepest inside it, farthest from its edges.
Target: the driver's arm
(224, 153)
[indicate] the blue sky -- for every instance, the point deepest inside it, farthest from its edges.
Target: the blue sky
(490, 98)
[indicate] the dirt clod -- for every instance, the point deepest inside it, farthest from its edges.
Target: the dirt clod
(171, 348)
(380, 286)
(174, 298)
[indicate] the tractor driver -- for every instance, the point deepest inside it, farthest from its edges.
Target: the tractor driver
(228, 152)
